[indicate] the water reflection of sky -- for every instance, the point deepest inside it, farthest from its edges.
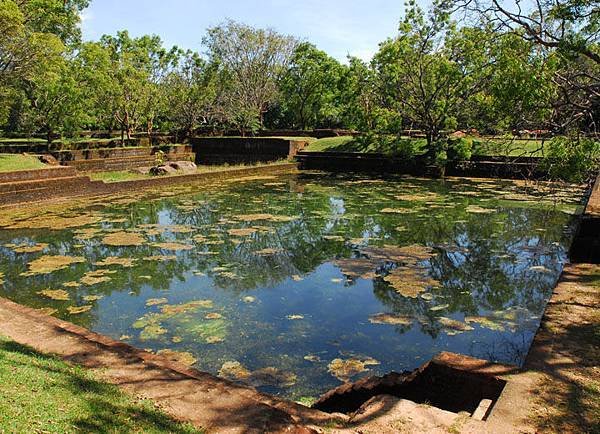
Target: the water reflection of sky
(495, 270)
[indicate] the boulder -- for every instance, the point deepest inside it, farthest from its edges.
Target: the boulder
(163, 170)
(183, 166)
(48, 159)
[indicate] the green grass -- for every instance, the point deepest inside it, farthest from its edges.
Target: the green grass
(333, 144)
(484, 146)
(123, 175)
(14, 162)
(510, 147)
(40, 393)
(117, 176)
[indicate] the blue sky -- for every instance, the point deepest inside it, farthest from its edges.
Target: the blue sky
(339, 27)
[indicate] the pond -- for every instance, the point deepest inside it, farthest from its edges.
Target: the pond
(296, 283)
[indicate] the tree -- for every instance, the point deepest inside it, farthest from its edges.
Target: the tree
(61, 18)
(191, 92)
(55, 99)
(251, 63)
(360, 95)
(310, 88)
(136, 69)
(568, 28)
(431, 69)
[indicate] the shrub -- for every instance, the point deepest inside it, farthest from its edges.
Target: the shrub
(572, 159)
(460, 149)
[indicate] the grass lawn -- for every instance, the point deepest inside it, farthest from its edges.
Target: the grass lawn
(117, 176)
(41, 393)
(124, 175)
(14, 162)
(333, 144)
(483, 146)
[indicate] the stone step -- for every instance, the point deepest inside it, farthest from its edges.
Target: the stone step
(44, 183)
(37, 174)
(108, 164)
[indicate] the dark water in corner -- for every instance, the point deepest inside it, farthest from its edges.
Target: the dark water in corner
(253, 272)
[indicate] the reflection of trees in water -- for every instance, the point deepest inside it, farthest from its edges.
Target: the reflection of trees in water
(505, 349)
(475, 275)
(467, 257)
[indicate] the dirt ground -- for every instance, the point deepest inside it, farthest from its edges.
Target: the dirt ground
(566, 353)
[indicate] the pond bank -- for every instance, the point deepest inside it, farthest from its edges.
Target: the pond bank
(53, 183)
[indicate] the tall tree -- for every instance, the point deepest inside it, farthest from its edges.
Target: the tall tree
(568, 28)
(430, 70)
(191, 92)
(251, 63)
(310, 88)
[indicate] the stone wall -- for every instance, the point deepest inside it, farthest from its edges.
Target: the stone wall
(232, 150)
(586, 244)
(492, 167)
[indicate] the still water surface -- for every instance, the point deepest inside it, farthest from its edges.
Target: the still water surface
(296, 283)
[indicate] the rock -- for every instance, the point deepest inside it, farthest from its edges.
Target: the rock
(458, 135)
(163, 170)
(48, 159)
(183, 166)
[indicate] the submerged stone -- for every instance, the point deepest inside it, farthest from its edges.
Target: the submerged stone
(344, 370)
(178, 356)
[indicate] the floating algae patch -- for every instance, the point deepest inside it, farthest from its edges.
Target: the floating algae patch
(390, 318)
(173, 246)
(55, 294)
(27, 248)
(453, 327)
(345, 369)
(77, 310)
(410, 281)
(51, 263)
(87, 233)
(269, 376)
(363, 268)
(160, 258)
(244, 232)
(115, 261)
(123, 239)
(95, 277)
(56, 222)
(90, 298)
(156, 301)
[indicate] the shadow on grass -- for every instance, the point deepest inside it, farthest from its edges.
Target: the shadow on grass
(87, 405)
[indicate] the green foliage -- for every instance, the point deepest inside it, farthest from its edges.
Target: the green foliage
(250, 62)
(572, 159)
(460, 148)
(310, 88)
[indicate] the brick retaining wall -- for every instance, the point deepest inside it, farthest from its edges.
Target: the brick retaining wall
(220, 150)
